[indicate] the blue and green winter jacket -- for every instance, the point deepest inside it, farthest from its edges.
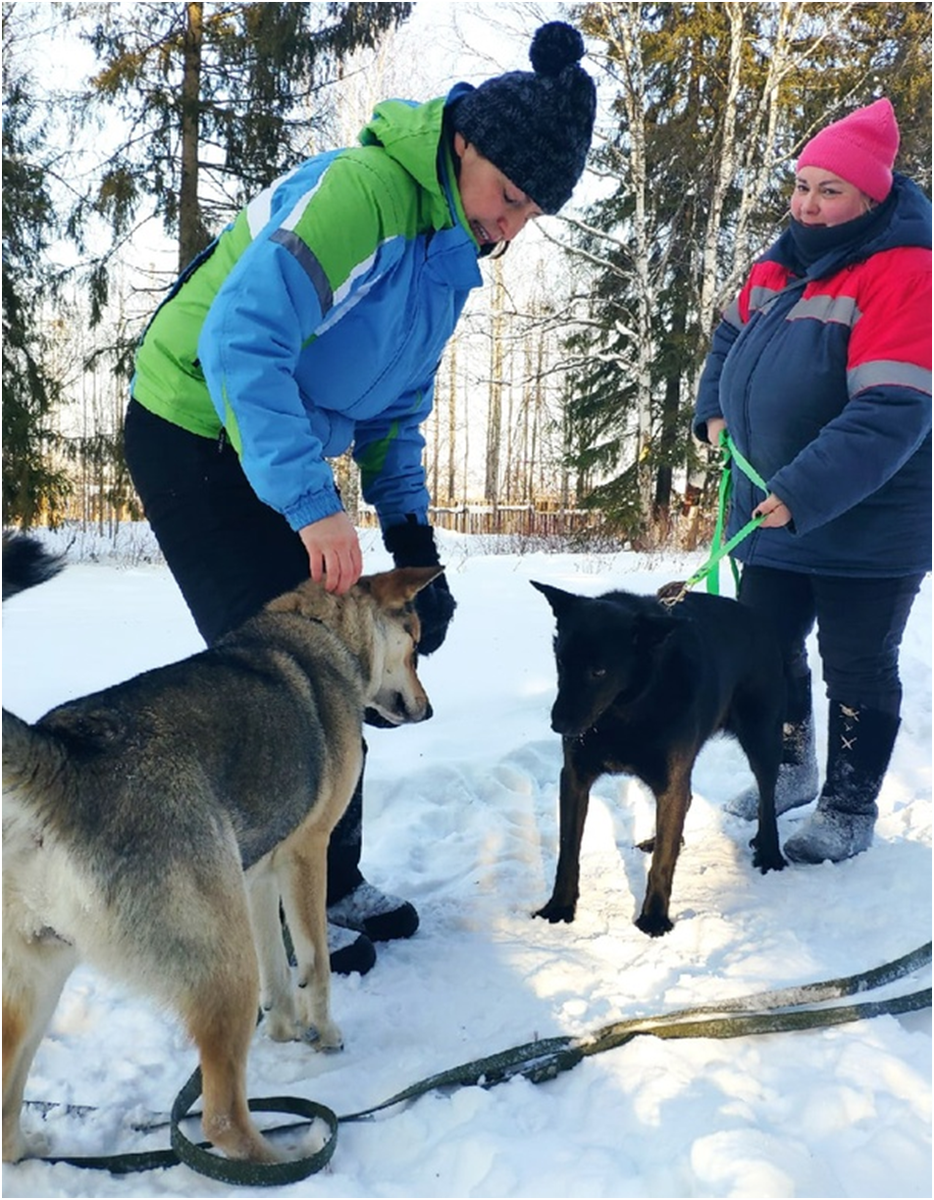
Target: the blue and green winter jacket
(823, 376)
(317, 319)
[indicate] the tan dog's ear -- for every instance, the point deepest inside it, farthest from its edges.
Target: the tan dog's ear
(390, 589)
(287, 603)
(309, 599)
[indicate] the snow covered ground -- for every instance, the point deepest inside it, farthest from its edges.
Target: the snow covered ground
(461, 819)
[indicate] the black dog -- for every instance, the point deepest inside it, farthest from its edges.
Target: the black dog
(641, 687)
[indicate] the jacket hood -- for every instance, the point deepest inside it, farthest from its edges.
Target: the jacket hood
(413, 135)
(910, 224)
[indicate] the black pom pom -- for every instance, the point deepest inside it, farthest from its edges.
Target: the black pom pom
(554, 47)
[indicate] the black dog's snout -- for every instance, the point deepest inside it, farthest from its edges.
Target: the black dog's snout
(562, 724)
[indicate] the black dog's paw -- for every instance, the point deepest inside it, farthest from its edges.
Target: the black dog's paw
(555, 912)
(767, 860)
(654, 926)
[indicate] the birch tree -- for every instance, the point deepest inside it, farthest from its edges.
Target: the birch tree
(710, 105)
(494, 426)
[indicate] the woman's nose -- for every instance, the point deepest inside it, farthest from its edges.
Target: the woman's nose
(511, 223)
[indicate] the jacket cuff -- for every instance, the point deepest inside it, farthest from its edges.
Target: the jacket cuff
(313, 508)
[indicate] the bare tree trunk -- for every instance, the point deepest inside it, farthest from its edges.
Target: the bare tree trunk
(452, 423)
(626, 21)
(495, 406)
(433, 470)
(191, 239)
(507, 489)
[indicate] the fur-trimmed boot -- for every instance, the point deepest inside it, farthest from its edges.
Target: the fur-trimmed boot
(798, 780)
(858, 753)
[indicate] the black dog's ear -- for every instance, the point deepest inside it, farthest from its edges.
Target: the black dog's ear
(560, 601)
(651, 629)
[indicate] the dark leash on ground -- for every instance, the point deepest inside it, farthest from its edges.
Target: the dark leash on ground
(783, 1010)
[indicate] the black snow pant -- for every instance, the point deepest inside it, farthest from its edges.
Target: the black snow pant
(860, 624)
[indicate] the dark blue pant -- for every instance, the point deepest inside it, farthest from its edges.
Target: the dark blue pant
(860, 624)
(229, 554)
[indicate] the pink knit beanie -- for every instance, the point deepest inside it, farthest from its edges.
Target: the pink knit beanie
(860, 148)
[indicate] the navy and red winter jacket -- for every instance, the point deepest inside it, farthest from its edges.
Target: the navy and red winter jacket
(824, 381)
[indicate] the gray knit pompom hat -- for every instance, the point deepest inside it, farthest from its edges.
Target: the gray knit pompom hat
(536, 128)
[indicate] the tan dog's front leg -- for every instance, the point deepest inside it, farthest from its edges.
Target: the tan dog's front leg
(302, 867)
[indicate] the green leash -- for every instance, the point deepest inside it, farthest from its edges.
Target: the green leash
(711, 568)
(781, 1010)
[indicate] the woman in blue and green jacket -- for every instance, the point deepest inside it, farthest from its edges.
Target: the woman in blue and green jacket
(315, 323)
(821, 373)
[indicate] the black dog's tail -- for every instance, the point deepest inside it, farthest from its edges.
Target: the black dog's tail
(26, 563)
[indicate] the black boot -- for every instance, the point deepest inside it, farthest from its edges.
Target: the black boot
(859, 748)
(798, 780)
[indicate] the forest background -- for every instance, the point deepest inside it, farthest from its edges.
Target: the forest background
(133, 132)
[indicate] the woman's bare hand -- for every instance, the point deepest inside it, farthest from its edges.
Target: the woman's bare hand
(775, 511)
(333, 552)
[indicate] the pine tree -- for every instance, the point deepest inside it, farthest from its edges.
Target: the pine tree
(217, 101)
(31, 484)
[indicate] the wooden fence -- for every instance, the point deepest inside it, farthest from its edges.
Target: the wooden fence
(522, 520)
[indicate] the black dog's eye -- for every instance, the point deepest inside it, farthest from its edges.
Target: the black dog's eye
(597, 672)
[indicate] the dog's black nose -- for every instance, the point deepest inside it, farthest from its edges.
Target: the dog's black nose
(568, 725)
(560, 724)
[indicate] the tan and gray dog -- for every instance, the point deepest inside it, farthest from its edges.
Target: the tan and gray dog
(151, 829)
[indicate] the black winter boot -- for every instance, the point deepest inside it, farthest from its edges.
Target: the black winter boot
(859, 749)
(798, 780)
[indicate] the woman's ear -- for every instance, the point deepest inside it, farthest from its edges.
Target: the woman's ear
(460, 143)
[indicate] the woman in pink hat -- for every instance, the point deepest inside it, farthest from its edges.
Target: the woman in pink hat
(821, 372)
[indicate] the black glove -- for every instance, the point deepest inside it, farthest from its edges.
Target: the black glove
(413, 545)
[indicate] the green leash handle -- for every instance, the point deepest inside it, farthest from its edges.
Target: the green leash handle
(710, 570)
